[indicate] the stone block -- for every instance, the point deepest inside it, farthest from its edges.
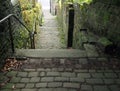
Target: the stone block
(47, 79)
(71, 85)
(68, 74)
(35, 79)
(41, 85)
(61, 79)
(55, 84)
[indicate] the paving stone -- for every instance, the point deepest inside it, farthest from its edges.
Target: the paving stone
(41, 69)
(68, 69)
(48, 69)
(77, 80)
(22, 74)
(97, 75)
(92, 71)
(102, 59)
(30, 85)
(47, 79)
(33, 74)
(84, 75)
(8, 86)
(42, 73)
(28, 89)
(12, 73)
(41, 85)
(30, 70)
(20, 85)
(35, 79)
(60, 89)
(25, 80)
(46, 89)
(60, 69)
(118, 81)
(72, 90)
(86, 88)
(80, 70)
(15, 79)
(68, 74)
(54, 69)
(94, 81)
(114, 88)
(62, 79)
(110, 75)
(83, 61)
(16, 90)
(101, 88)
(109, 81)
(6, 90)
(53, 74)
(55, 84)
(71, 85)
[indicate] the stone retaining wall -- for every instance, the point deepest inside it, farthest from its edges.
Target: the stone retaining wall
(99, 18)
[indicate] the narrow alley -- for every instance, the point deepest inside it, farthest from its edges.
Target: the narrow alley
(74, 48)
(48, 34)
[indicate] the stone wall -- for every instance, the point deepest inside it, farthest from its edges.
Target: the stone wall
(100, 18)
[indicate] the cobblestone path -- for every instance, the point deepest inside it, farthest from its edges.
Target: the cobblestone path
(48, 36)
(65, 74)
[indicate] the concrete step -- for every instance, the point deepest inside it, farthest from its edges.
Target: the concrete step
(38, 53)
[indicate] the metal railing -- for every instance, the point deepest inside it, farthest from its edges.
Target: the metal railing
(11, 34)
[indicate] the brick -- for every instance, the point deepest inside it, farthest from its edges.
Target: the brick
(55, 84)
(47, 79)
(53, 74)
(28, 89)
(98, 75)
(84, 75)
(30, 85)
(68, 74)
(33, 74)
(102, 59)
(86, 88)
(41, 85)
(77, 80)
(61, 79)
(35, 79)
(20, 85)
(71, 85)
(110, 75)
(114, 88)
(22, 74)
(94, 81)
(25, 80)
(101, 88)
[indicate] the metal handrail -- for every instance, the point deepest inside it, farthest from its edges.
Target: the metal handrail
(12, 15)
(31, 34)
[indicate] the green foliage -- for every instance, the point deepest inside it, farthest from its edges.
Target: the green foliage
(81, 2)
(104, 41)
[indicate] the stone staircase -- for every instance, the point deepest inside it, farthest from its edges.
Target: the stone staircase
(89, 51)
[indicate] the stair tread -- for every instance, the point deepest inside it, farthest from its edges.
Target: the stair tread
(51, 53)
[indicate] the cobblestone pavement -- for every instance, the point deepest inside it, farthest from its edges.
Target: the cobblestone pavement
(48, 36)
(67, 74)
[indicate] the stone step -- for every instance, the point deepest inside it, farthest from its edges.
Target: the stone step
(54, 53)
